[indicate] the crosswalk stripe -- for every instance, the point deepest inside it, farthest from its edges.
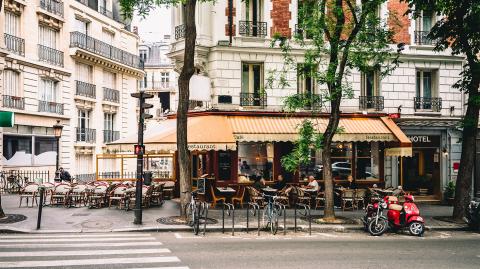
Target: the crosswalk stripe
(74, 236)
(74, 245)
(75, 240)
(83, 252)
(181, 267)
(140, 260)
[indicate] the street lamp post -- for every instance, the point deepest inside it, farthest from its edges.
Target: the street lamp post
(57, 132)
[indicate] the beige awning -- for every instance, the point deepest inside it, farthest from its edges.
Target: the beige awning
(204, 133)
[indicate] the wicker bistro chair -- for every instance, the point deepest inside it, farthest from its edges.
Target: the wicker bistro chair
(348, 197)
(300, 196)
(157, 195)
(282, 197)
(96, 199)
(168, 189)
(29, 191)
(320, 200)
(255, 196)
(216, 199)
(146, 195)
(239, 198)
(118, 194)
(78, 196)
(360, 197)
(60, 194)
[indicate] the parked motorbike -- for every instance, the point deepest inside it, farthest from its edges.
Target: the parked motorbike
(472, 216)
(398, 217)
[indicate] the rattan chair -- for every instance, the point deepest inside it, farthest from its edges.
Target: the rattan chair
(360, 197)
(348, 197)
(239, 197)
(117, 194)
(60, 194)
(78, 195)
(29, 191)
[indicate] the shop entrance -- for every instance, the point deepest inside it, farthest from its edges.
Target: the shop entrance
(420, 174)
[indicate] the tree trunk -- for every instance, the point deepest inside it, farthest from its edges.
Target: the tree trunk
(2, 214)
(183, 91)
(465, 172)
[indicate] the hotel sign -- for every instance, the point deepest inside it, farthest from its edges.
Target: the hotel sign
(425, 140)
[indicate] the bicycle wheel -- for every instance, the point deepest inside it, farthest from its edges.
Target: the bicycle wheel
(274, 220)
(266, 217)
(196, 220)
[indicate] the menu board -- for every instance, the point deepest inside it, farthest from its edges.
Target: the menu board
(224, 166)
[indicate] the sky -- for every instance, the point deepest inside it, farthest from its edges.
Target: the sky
(154, 26)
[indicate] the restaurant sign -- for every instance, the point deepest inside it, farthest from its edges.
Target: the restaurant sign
(207, 147)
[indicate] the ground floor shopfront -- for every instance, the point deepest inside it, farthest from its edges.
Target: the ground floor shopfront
(436, 152)
(233, 148)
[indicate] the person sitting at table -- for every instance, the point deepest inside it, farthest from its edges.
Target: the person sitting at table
(280, 183)
(351, 184)
(312, 184)
(259, 183)
(398, 191)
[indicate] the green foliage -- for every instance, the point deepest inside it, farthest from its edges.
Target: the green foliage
(450, 190)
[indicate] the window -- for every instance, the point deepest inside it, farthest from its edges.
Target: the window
(426, 91)
(47, 37)
(12, 24)
(253, 10)
(84, 72)
(165, 76)
(256, 159)
(370, 84)
(83, 119)
(424, 84)
(367, 161)
(305, 79)
(252, 78)
(17, 145)
(81, 26)
(143, 54)
(48, 90)
(304, 7)
(11, 83)
(108, 121)
(423, 25)
(108, 37)
(109, 80)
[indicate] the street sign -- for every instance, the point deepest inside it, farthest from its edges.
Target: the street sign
(7, 119)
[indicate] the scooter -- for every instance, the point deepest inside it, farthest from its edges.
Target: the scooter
(472, 216)
(398, 216)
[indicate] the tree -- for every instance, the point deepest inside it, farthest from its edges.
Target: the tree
(143, 7)
(2, 214)
(459, 31)
(345, 35)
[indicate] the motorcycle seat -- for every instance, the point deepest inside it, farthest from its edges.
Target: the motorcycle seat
(395, 207)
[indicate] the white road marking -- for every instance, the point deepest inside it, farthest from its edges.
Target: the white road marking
(92, 252)
(70, 245)
(139, 260)
(181, 267)
(116, 235)
(327, 234)
(76, 240)
(178, 236)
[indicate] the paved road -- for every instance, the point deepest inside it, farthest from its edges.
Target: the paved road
(107, 250)
(327, 250)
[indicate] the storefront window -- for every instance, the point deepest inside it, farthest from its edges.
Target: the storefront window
(367, 165)
(45, 151)
(255, 159)
(341, 160)
(17, 150)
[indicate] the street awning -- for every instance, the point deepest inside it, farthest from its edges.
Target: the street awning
(204, 133)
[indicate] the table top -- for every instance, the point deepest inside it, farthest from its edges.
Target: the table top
(309, 190)
(268, 189)
(226, 189)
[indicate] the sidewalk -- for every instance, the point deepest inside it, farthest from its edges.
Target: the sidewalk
(75, 220)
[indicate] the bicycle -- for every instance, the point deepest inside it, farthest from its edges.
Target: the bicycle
(271, 212)
(194, 211)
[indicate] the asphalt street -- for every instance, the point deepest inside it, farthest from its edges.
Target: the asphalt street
(183, 250)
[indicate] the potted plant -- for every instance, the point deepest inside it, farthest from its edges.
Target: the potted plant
(449, 193)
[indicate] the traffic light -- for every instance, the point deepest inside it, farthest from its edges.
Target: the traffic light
(142, 96)
(139, 149)
(7, 119)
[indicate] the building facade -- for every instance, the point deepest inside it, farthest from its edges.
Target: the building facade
(75, 61)
(160, 77)
(233, 51)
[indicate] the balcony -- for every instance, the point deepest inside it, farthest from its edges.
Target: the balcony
(111, 95)
(85, 89)
(179, 32)
(52, 6)
(51, 107)
(432, 104)
(371, 102)
(422, 39)
(15, 102)
(253, 99)
(110, 136)
(160, 85)
(250, 28)
(82, 41)
(15, 44)
(85, 135)
(49, 55)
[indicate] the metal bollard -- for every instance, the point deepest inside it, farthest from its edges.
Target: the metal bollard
(252, 206)
(205, 206)
(231, 210)
(258, 217)
(40, 207)
(295, 228)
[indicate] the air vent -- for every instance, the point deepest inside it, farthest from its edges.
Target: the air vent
(224, 99)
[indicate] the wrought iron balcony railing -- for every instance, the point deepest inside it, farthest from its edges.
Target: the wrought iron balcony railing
(52, 6)
(179, 31)
(85, 135)
(433, 104)
(111, 95)
(49, 55)
(110, 136)
(253, 99)
(159, 85)
(85, 89)
(371, 102)
(51, 107)
(14, 102)
(15, 44)
(251, 28)
(88, 43)
(422, 39)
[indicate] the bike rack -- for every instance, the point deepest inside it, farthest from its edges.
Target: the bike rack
(204, 208)
(256, 211)
(230, 211)
(306, 213)
(283, 211)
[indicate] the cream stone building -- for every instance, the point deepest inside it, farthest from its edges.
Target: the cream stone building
(73, 61)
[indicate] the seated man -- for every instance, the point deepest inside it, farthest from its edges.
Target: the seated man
(312, 184)
(398, 192)
(280, 183)
(259, 184)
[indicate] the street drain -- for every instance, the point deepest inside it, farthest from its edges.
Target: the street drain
(177, 220)
(96, 224)
(12, 218)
